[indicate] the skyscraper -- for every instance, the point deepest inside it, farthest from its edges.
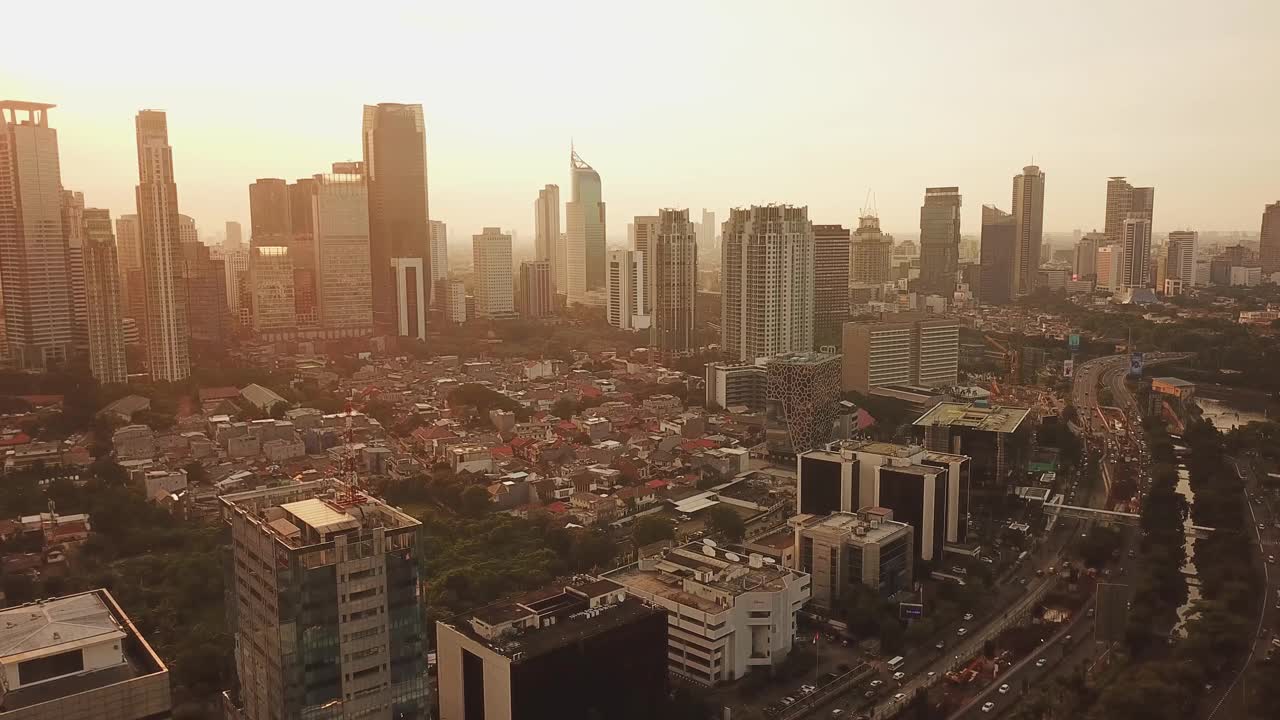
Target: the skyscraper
(302, 252)
(491, 260)
(1124, 200)
(831, 252)
(999, 251)
(167, 336)
(1086, 257)
(901, 349)
(323, 604)
(1108, 266)
(73, 231)
(270, 212)
(767, 266)
(585, 222)
(626, 289)
(271, 272)
(537, 290)
(644, 235)
(707, 232)
(271, 277)
(439, 258)
(675, 270)
(1180, 264)
(235, 236)
(1135, 241)
(395, 166)
(33, 249)
(1028, 221)
(546, 231)
(205, 291)
(102, 290)
(340, 207)
(872, 257)
(1269, 241)
(939, 239)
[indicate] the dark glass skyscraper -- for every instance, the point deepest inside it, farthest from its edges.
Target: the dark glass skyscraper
(939, 239)
(999, 250)
(395, 165)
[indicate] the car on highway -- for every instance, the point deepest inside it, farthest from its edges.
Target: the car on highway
(962, 631)
(876, 683)
(1042, 662)
(1004, 689)
(899, 697)
(940, 645)
(899, 675)
(988, 707)
(806, 689)
(968, 617)
(1271, 559)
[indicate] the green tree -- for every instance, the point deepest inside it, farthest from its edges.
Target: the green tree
(651, 529)
(474, 501)
(724, 520)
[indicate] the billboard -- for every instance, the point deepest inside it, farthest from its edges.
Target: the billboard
(910, 611)
(1073, 341)
(1068, 367)
(1135, 364)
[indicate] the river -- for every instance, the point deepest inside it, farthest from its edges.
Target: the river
(1228, 407)
(1185, 612)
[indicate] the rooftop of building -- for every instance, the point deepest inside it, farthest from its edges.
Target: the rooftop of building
(49, 627)
(810, 357)
(973, 416)
(551, 618)
(870, 526)
(1174, 382)
(717, 568)
(310, 513)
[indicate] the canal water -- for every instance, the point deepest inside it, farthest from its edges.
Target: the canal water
(1186, 612)
(1226, 407)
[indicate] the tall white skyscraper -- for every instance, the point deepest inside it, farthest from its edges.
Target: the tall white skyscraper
(494, 287)
(439, 251)
(585, 221)
(644, 234)
(626, 289)
(1135, 242)
(1028, 222)
(340, 207)
(102, 289)
(33, 248)
(707, 232)
(675, 270)
(167, 334)
(767, 284)
(546, 232)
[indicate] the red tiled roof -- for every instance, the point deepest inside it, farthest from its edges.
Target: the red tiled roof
(41, 400)
(557, 508)
(656, 484)
(18, 439)
(692, 445)
(500, 451)
(591, 392)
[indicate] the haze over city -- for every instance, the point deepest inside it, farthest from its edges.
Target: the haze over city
(684, 104)
(652, 361)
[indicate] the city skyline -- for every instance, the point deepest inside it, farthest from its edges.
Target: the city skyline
(827, 163)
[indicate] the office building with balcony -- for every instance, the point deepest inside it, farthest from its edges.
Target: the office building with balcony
(727, 612)
(843, 550)
(323, 601)
(998, 439)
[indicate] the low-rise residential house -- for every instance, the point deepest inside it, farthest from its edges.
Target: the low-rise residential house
(243, 446)
(134, 442)
(281, 449)
(470, 458)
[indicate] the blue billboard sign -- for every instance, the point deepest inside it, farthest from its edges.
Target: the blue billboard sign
(1135, 364)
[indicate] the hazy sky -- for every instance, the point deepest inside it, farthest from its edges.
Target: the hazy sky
(685, 103)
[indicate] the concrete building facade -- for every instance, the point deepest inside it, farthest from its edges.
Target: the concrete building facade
(767, 292)
(491, 261)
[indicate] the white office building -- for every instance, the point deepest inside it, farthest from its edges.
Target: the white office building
(727, 612)
(494, 286)
(626, 290)
(767, 283)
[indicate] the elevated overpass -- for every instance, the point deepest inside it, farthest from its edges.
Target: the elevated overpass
(1057, 509)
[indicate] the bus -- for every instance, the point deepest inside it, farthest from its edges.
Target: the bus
(1021, 556)
(896, 663)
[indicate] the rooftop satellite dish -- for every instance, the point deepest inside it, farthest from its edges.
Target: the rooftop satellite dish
(732, 557)
(708, 551)
(708, 542)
